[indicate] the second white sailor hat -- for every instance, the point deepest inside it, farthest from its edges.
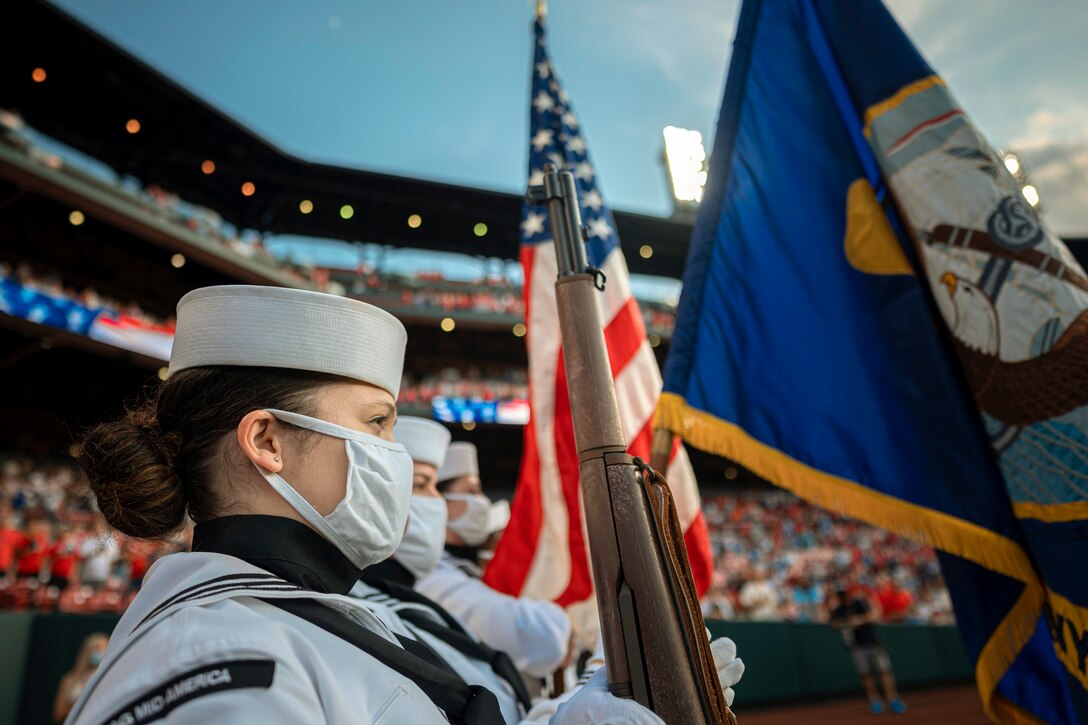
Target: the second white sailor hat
(426, 440)
(460, 461)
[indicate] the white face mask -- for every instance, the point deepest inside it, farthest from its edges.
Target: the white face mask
(425, 539)
(471, 525)
(367, 525)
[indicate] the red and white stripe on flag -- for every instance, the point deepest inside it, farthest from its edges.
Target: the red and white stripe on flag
(543, 554)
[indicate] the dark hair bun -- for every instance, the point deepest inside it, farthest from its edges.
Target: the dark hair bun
(131, 467)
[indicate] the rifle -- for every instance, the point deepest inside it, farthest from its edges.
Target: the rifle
(655, 641)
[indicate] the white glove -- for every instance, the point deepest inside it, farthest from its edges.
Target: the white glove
(729, 667)
(593, 704)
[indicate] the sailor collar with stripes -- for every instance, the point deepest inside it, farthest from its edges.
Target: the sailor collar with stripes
(292, 567)
(285, 547)
(456, 556)
(380, 603)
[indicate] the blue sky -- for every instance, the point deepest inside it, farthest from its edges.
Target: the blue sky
(439, 90)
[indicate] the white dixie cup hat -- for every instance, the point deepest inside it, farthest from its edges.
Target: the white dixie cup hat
(426, 440)
(275, 327)
(460, 461)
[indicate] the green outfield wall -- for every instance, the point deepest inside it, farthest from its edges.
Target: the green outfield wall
(797, 662)
(784, 662)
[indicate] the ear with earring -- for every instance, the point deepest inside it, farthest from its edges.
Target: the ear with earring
(276, 459)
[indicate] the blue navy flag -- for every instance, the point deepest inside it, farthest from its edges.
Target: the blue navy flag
(542, 553)
(874, 317)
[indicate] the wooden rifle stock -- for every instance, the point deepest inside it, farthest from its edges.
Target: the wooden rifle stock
(654, 638)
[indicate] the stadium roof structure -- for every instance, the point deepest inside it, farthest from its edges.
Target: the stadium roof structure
(93, 88)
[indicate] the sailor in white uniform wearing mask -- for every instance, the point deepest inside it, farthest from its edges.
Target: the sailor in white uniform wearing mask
(389, 584)
(536, 634)
(274, 434)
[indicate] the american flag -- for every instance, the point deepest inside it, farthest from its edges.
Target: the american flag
(543, 553)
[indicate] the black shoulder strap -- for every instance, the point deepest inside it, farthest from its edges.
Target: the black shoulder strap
(461, 703)
(465, 558)
(500, 662)
(451, 632)
(411, 596)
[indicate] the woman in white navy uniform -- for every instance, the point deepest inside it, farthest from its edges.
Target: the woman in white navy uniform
(536, 635)
(274, 435)
(389, 584)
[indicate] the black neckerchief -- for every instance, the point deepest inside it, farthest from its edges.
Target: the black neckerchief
(393, 579)
(389, 570)
(297, 553)
(463, 704)
(289, 549)
(468, 553)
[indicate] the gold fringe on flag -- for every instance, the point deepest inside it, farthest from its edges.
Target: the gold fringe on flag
(933, 528)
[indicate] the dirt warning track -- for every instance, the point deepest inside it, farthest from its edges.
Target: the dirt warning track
(956, 704)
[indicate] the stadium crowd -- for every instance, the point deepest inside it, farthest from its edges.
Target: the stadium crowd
(56, 552)
(159, 202)
(473, 382)
(432, 292)
(23, 278)
(429, 291)
(776, 557)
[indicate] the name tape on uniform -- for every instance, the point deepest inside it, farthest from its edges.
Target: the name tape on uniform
(216, 677)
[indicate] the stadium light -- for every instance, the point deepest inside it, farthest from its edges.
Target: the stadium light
(414, 221)
(38, 75)
(208, 167)
(248, 189)
(132, 126)
(76, 218)
(685, 160)
(305, 206)
(1015, 165)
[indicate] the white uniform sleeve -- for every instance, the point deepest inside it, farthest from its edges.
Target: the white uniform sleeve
(223, 687)
(290, 698)
(203, 666)
(534, 634)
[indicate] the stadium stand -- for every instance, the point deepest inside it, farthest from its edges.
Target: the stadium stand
(142, 207)
(55, 556)
(776, 557)
(148, 199)
(55, 553)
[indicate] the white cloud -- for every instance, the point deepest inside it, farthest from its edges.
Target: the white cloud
(681, 43)
(910, 13)
(1055, 123)
(1054, 145)
(1059, 170)
(1013, 88)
